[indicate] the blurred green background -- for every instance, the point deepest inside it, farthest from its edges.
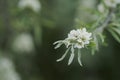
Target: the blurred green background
(28, 29)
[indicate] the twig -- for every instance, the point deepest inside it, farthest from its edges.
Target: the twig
(106, 21)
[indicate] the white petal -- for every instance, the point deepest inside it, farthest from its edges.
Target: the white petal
(71, 56)
(63, 55)
(57, 42)
(79, 58)
(86, 42)
(58, 45)
(72, 49)
(84, 29)
(77, 46)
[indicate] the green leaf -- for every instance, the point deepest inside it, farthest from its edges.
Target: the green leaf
(116, 25)
(101, 37)
(92, 44)
(97, 22)
(114, 35)
(96, 43)
(92, 47)
(116, 30)
(92, 51)
(38, 34)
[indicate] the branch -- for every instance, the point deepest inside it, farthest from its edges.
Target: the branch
(106, 21)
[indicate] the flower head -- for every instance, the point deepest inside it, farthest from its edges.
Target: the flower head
(76, 39)
(101, 8)
(111, 3)
(33, 4)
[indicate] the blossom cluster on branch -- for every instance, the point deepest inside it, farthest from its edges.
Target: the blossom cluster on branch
(76, 39)
(80, 38)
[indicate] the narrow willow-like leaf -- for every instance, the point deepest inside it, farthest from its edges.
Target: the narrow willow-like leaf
(97, 22)
(96, 42)
(93, 51)
(71, 56)
(114, 35)
(92, 47)
(60, 59)
(116, 24)
(116, 30)
(101, 37)
(79, 58)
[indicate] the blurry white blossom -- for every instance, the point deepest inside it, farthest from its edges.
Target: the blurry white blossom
(111, 3)
(117, 1)
(33, 4)
(101, 8)
(76, 39)
(7, 70)
(88, 3)
(23, 43)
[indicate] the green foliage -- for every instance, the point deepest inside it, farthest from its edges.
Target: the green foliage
(21, 61)
(115, 32)
(106, 17)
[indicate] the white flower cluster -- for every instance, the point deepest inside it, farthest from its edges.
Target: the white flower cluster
(101, 8)
(7, 69)
(23, 43)
(33, 4)
(111, 3)
(76, 39)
